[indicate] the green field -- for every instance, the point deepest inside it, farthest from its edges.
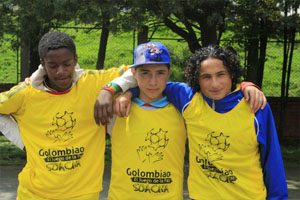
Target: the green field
(120, 48)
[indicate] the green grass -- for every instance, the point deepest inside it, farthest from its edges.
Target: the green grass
(273, 71)
(120, 49)
(9, 153)
(8, 62)
(290, 149)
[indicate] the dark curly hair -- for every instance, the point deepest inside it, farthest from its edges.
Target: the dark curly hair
(55, 40)
(227, 55)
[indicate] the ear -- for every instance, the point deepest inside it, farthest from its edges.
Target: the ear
(133, 71)
(42, 62)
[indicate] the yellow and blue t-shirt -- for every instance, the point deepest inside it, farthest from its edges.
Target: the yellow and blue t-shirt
(233, 154)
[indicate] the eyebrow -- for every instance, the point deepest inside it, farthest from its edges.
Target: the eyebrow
(160, 70)
(50, 62)
(205, 73)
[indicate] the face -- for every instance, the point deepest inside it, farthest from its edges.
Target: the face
(60, 67)
(214, 79)
(152, 81)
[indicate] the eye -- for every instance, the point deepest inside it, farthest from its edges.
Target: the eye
(68, 64)
(205, 77)
(145, 73)
(221, 74)
(52, 66)
(162, 72)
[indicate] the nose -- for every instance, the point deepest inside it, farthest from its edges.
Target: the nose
(153, 80)
(60, 70)
(214, 82)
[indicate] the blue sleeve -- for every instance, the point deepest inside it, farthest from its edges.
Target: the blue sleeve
(271, 159)
(179, 94)
(135, 92)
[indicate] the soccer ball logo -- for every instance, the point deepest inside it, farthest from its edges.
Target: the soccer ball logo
(156, 143)
(157, 139)
(63, 125)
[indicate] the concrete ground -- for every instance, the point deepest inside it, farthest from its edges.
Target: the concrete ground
(9, 182)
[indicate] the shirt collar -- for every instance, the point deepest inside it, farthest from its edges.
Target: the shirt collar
(156, 104)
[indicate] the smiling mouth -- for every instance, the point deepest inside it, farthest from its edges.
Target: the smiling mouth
(215, 92)
(153, 89)
(62, 79)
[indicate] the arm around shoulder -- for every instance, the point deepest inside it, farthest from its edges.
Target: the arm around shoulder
(179, 94)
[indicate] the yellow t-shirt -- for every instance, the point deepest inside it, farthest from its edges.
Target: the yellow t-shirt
(224, 154)
(148, 155)
(64, 145)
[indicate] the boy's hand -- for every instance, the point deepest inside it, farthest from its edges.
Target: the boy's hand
(123, 104)
(255, 98)
(103, 107)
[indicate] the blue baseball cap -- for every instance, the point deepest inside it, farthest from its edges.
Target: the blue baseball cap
(151, 53)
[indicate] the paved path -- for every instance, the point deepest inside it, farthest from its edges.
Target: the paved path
(9, 183)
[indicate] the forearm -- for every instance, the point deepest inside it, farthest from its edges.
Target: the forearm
(124, 82)
(9, 128)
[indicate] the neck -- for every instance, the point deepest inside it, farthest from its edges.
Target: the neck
(47, 83)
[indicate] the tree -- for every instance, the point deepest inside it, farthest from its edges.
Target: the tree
(6, 17)
(103, 15)
(254, 22)
(290, 25)
(198, 22)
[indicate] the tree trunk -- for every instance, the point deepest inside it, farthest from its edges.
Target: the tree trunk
(34, 59)
(143, 35)
(25, 56)
(208, 34)
(263, 40)
(292, 43)
(103, 43)
(252, 60)
(283, 80)
(189, 37)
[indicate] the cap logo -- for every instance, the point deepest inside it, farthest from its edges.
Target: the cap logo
(153, 53)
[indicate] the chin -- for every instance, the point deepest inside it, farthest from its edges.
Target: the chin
(216, 97)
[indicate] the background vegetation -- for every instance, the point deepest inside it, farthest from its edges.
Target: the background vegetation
(120, 47)
(250, 24)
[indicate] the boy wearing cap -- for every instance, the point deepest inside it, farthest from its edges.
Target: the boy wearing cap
(144, 163)
(222, 132)
(148, 146)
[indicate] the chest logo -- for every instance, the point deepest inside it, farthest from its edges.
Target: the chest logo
(62, 126)
(211, 152)
(155, 143)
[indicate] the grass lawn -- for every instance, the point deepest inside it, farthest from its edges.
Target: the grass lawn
(9, 153)
(120, 50)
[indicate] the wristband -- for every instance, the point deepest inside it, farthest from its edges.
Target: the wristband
(112, 87)
(245, 84)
